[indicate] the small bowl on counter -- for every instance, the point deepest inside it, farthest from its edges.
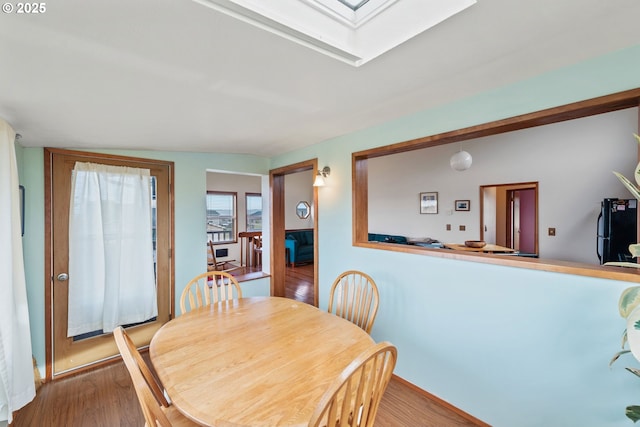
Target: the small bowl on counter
(475, 244)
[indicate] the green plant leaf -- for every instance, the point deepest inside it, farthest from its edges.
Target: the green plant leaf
(630, 186)
(633, 332)
(629, 300)
(636, 174)
(634, 371)
(633, 412)
(617, 356)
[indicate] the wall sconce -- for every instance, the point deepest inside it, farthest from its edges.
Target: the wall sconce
(321, 175)
(461, 161)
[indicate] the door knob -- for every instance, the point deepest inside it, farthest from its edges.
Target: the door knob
(62, 277)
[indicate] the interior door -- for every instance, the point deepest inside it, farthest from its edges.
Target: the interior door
(527, 221)
(509, 216)
(65, 354)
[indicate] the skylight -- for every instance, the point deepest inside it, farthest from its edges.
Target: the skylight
(351, 13)
(353, 5)
(352, 31)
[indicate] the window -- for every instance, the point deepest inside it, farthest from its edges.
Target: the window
(254, 211)
(221, 217)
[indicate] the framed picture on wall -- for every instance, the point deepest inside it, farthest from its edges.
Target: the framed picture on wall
(429, 202)
(463, 205)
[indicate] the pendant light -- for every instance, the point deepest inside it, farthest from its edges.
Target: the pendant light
(460, 161)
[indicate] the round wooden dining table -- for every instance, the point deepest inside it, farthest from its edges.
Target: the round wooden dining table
(263, 361)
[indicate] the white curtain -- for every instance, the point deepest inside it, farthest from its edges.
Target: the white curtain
(111, 273)
(17, 386)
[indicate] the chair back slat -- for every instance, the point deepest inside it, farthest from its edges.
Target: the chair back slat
(354, 296)
(209, 288)
(354, 396)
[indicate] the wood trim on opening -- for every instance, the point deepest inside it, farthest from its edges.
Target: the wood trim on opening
(590, 107)
(48, 278)
(277, 189)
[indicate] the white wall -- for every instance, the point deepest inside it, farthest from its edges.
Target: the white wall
(298, 187)
(572, 161)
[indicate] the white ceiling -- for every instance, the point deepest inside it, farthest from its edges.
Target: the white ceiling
(174, 75)
(331, 27)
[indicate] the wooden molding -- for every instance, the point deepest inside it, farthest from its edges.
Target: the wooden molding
(576, 110)
(164, 251)
(589, 107)
(277, 189)
(441, 402)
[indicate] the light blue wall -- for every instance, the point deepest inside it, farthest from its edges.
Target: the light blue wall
(514, 347)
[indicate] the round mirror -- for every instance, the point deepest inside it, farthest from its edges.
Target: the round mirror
(303, 210)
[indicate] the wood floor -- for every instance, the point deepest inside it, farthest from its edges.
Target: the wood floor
(298, 280)
(105, 397)
(298, 283)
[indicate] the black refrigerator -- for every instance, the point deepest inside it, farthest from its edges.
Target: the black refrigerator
(617, 229)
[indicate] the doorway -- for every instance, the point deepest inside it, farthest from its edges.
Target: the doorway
(278, 226)
(69, 354)
(509, 216)
(234, 219)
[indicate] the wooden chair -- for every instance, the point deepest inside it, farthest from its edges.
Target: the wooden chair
(209, 288)
(155, 406)
(354, 296)
(353, 398)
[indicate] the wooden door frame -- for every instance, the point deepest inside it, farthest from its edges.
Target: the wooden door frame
(532, 185)
(48, 244)
(277, 210)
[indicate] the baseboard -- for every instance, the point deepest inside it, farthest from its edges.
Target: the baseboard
(441, 402)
